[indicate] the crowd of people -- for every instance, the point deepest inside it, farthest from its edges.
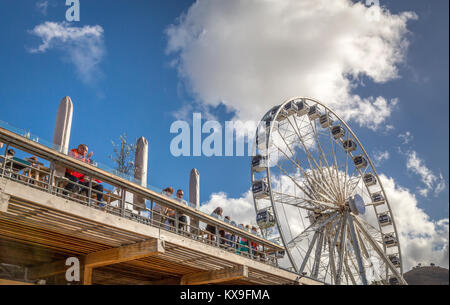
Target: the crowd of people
(161, 216)
(240, 244)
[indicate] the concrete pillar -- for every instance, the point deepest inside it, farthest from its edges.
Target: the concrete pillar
(61, 134)
(63, 125)
(194, 196)
(140, 169)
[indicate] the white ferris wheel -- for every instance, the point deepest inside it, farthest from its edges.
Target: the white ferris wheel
(317, 191)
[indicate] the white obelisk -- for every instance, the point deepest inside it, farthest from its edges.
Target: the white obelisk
(140, 170)
(194, 196)
(61, 134)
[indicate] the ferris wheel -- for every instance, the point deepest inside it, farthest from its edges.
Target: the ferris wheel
(316, 190)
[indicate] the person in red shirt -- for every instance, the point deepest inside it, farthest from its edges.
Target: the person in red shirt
(80, 153)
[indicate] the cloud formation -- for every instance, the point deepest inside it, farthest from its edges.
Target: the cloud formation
(416, 165)
(422, 239)
(83, 46)
(380, 156)
(251, 55)
(42, 7)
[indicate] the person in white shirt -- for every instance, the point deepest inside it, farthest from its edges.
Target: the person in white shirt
(158, 212)
(184, 220)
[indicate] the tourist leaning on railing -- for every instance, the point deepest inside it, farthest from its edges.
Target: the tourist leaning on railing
(158, 212)
(183, 219)
(81, 154)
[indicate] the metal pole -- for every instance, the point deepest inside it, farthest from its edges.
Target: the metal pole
(90, 191)
(305, 259)
(51, 177)
(4, 159)
(357, 250)
(342, 248)
(122, 203)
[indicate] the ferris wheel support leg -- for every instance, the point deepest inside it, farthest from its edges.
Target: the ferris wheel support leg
(342, 248)
(305, 260)
(380, 252)
(362, 272)
(317, 255)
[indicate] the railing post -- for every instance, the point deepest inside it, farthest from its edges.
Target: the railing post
(122, 203)
(176, 221)
(90, 191)
(51, 177)
(4, 159)
(217, 236)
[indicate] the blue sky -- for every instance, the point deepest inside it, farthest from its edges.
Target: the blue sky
(136, 87)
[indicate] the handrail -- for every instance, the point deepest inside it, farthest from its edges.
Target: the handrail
(52, 155)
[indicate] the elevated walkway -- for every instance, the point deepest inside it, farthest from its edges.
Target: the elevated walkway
(40, 227)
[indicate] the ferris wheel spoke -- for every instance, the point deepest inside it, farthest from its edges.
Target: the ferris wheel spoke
(314, 227)
(296, 183)
(301, 170)
(379, 251)
(308, 252)
(361, 175)
(349, 272)
(317, 255)
(335, 166)
(308, 154)
(323, 156)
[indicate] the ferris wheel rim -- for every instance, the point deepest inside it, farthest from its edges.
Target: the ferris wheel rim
(272, 201)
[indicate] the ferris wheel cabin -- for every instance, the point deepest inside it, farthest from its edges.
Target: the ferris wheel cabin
(259, 163)
(302, 108)
(360, 162)
(394, 260)
(349, 145)
(378, 198)
(260, 189)
(369, 179)
(265, 218)
(390, 240)
(384, 219)
(325, 121)
(291, 108)
(314, 113)
(337, 132)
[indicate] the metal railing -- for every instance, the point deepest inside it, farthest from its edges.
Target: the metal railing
(117, 197)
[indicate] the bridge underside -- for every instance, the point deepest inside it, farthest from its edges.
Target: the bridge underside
(39, 231)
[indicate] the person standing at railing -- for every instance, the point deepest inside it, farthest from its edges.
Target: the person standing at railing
(217, 213)
(81, 153)
(244, 241)
(158, 211)
(254, 246)
(183, 219)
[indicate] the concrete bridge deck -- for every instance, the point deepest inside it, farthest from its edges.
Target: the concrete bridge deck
(40, 229)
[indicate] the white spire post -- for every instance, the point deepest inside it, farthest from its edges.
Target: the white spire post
(61, 134)
(63, 125)
(194, 196)
(140, 170)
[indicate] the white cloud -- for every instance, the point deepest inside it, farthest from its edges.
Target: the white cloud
(250, 55)
(406, 137)
(422, 239)
(417, 166)
(42, 6)
(380, 156)
(241, 210)
(84, 45)
(440, 186)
